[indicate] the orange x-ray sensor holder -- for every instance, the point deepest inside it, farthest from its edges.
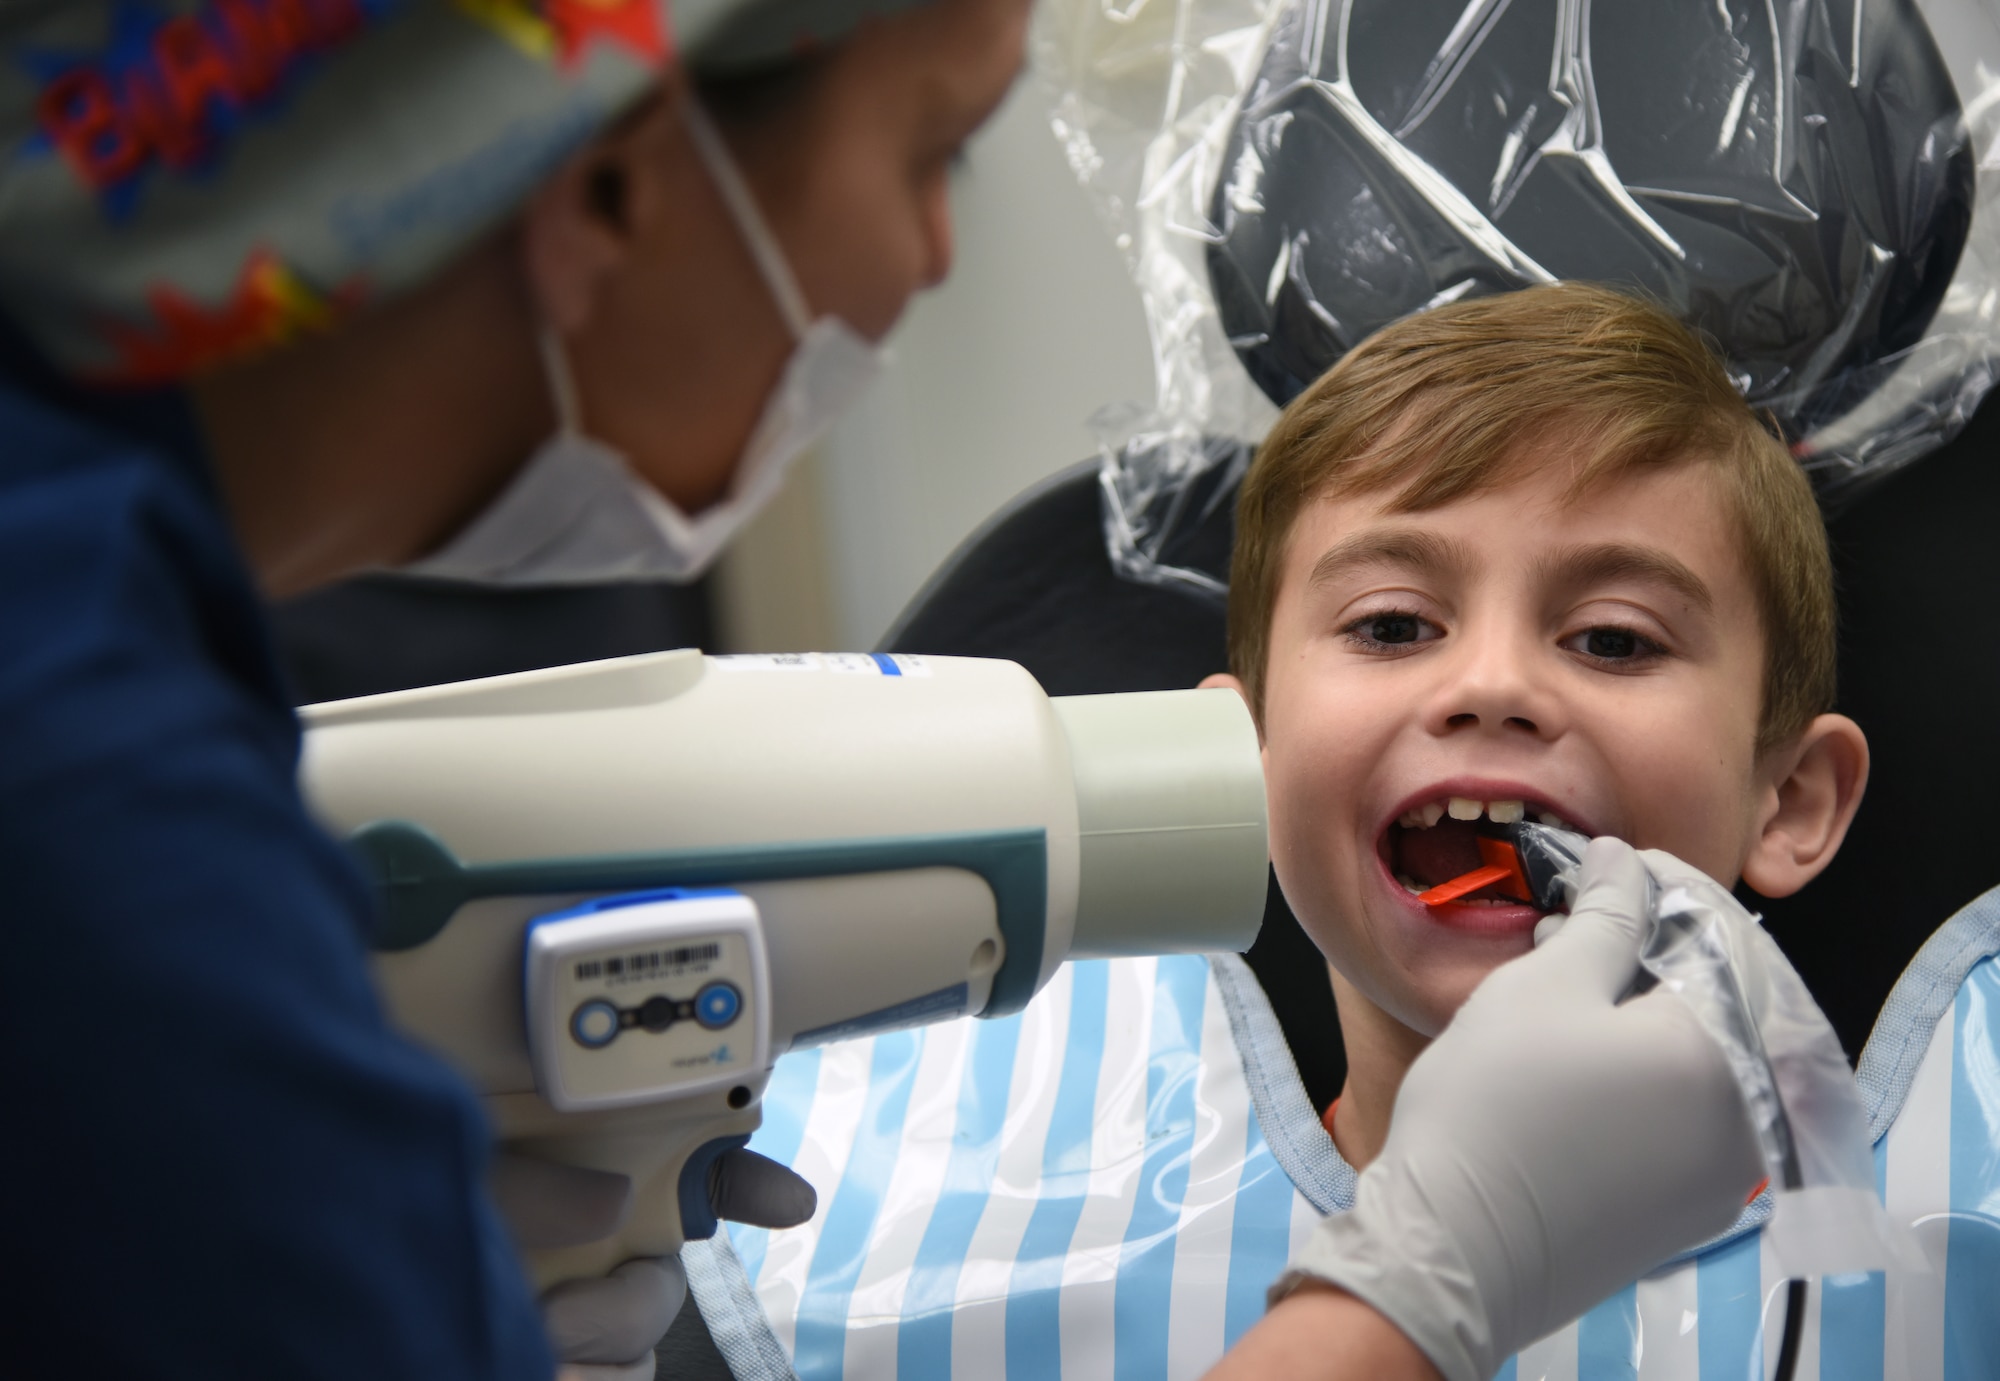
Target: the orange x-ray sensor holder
(1502, 869)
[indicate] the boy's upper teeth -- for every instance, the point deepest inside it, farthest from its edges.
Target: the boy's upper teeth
(1465, 808)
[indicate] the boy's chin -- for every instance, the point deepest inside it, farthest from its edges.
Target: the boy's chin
(1428, 1005)
(1407, 965)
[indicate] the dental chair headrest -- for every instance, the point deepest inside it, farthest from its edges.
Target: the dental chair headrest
(1799, 193)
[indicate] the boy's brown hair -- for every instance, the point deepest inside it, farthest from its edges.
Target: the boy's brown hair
(1439, 406)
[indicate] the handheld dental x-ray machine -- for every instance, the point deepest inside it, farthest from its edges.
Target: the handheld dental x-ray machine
(613, 894)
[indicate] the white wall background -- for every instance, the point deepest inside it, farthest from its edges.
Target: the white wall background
(995, 376)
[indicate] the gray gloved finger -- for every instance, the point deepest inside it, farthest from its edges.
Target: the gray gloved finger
(551, 1205)
(1597, 949)
(617, 1319)
(745, 1187)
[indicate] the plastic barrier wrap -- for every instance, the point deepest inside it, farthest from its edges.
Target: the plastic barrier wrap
(1796, 1085)
(1807, 181)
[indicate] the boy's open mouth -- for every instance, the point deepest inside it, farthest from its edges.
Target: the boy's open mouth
(1439, 840)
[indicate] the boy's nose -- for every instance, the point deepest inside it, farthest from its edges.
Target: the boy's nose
(1493, 687)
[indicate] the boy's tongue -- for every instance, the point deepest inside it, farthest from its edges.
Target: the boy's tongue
(1446, 850)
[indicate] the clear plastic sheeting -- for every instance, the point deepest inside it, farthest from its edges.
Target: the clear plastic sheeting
(1810, 182)
(1796, 1085)
(1146, 93)
(1149, 525)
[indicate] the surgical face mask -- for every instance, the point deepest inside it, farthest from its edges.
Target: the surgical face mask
(578, 513)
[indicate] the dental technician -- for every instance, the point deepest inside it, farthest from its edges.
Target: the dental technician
(522, 290)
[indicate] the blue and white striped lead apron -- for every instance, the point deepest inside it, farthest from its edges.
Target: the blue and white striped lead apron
(1104, 1185)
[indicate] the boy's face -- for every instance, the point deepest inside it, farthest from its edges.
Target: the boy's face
(1599, 661)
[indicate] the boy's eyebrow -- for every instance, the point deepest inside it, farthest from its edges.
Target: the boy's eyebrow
(1602, 563)
(1406, 547)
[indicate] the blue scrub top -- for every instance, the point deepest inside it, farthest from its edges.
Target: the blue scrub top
(216, 1158)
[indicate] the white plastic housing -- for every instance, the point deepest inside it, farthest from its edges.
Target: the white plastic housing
(677, 752)
(589, 771)
(1171, 819)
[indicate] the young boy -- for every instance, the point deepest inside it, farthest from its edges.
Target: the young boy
(1525, 555)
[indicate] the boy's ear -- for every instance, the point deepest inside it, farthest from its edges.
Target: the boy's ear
(1811, 796)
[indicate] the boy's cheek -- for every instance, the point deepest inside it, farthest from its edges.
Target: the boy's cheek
(1315, 857)
(1313, 771)
(1419, 979)
(1702, 816)
(1685, 780)
(1338, 947)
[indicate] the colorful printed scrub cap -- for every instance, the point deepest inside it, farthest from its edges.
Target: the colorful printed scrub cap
(183, 182)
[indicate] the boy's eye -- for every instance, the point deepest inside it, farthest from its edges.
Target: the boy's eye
(1390, 629)
(1394, 628)
(1613, 645)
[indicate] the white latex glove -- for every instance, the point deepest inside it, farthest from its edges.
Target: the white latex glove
(1552, 1145)
(606, 1329)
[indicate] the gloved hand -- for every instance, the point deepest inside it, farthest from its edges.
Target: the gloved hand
(1550, 1146)
(606, 1329)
